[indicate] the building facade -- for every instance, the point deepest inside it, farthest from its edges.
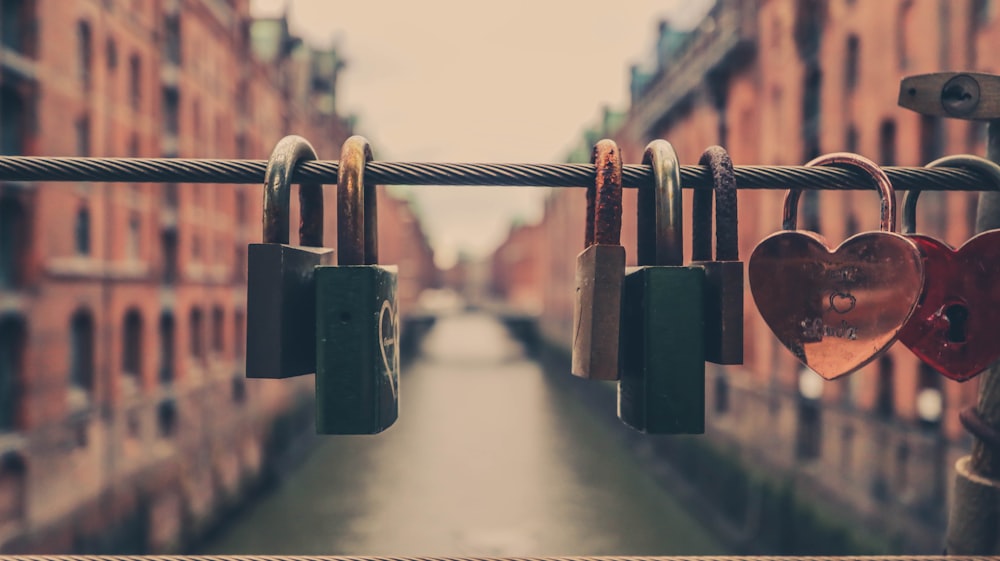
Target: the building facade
(781, 82)
(125, 420)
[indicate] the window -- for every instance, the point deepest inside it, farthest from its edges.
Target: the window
(13, 242)
(132, 344)
(135, 81)
(851, 63)
(721, 394)
(81, 231)
(166, 348)
(111, 54)
(12, 128)
(851, 138)
(12, 341)
(12, 24)
(887, 143)
(884, 404)
(197, 335)
(171, 111)
(81, 351)
(83, 53)
(166, 417)
(240, 274)
(168, 241)
(903, 28)
(931, 138)
(172, 38)
(809, 442)
(133, 244)
(83, 136)
(218, 336)
(12, 486)
(239, 336)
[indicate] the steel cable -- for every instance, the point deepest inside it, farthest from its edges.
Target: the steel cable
(184, 170)
(483, 558)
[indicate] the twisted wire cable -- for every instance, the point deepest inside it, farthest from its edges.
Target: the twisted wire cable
(483, 558)
(184, 170)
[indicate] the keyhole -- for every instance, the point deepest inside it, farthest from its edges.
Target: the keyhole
(957, 315)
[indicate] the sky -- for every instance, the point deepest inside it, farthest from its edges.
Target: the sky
(470, 81)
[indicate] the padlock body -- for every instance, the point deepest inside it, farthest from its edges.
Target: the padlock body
(662, 388)
(281, 309)
(600, 272)
(357, 343)
(723, 303)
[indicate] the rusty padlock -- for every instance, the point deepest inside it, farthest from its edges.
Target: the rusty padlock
(723, 295)
(600, 272)
(281, 292)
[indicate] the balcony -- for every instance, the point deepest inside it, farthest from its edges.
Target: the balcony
(727, 36)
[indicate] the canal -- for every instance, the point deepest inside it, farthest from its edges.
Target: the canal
(487, 458)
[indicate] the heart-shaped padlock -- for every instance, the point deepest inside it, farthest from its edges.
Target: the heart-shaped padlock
(951, 327)
(836, 310)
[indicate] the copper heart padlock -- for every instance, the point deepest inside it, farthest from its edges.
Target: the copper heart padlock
(952, 328)
(836, 310)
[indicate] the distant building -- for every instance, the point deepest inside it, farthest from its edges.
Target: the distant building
(125, 420)
(780, 82)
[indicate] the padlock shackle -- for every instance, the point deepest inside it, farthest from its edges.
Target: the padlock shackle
(288, 153)
(660, 217)
(887, 216)
(357, 210)
(726, 219)
(972, 162)
(604, 199)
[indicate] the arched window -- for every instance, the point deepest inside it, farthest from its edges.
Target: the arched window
(167, 348)
(132, 344)
(13, 242)
(12, 341)
(135, 81)
(81, 351)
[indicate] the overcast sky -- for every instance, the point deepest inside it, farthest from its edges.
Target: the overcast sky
(461, 80)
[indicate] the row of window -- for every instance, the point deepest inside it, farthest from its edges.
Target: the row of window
(82, 331)
(85, 49)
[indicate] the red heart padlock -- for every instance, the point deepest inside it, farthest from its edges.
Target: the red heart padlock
(836, 310)
(951, 328)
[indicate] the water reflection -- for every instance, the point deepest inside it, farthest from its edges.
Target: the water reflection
(486, 459)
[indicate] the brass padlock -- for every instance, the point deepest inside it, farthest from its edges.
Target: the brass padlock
(281, 293)
(600, 272)
(723, 298)
(357, 329)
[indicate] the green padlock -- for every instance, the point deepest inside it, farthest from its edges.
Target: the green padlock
(281, 305)
(357, 326)
(723, 275)
(662, 387)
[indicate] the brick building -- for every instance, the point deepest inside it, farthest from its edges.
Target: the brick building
(125, 421)
(780, 82)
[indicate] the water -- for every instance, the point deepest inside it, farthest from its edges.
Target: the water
(486, 459)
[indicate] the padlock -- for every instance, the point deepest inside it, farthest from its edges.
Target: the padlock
(357, 325)
(952, 328)
(837, 310)
(723, 298)
(600, 272)
(662, 387)
(281, 293)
